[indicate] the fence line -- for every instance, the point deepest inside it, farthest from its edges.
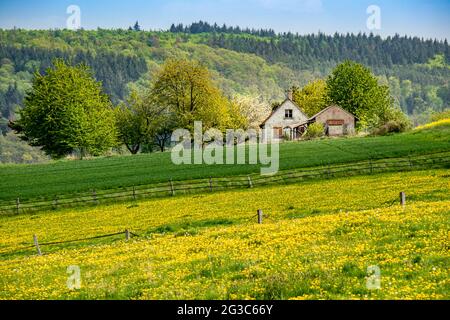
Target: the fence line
(173, 188)
(259, 215)
(38, 245)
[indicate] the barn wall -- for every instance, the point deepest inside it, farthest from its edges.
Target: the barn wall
(335, 113)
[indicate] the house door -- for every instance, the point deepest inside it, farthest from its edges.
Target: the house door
(277, 132)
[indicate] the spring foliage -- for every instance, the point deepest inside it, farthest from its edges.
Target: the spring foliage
(66, 110)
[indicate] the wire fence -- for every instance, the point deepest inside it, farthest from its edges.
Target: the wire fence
(37, 246)
(174, 188)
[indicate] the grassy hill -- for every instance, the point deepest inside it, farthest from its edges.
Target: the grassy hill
(68, 177)
(316, 242)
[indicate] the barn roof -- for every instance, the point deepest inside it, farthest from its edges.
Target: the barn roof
(329, 107)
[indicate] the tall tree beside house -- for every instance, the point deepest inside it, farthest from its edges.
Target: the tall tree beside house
(312, 98)
(65, 110)
(186, 89)
(353, 87)
(238, 118)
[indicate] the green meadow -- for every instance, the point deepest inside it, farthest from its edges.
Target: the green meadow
(69, 176)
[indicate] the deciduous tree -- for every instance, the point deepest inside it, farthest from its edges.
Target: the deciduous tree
(312, 98)
(65, 110)
(186, 89)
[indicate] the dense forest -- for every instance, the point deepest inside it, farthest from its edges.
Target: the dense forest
(251, 63)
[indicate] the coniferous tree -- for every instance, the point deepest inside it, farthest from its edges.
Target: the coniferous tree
(136, 26)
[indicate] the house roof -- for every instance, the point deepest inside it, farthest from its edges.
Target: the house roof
(276, 109)
(329, 107)
(298, 124)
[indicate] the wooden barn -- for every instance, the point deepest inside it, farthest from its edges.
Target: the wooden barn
(288, 121)
(336, 121)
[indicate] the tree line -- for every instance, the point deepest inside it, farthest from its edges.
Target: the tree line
(300, 51)
(68, 111)
(112, 69)
(205, 27)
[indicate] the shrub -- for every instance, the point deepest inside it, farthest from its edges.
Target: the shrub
(395, 121)
(314, 130)
(390, 127)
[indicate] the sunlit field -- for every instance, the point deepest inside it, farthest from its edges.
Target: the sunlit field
(317, 241)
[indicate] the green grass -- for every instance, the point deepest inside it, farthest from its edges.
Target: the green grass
(68, 177)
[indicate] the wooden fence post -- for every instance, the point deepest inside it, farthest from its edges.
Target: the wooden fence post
(134, 193)
(55, 203)
(260, 216)
(172, 191)
(94, 196)
(371, 166)
(210, 184)
(36, 243)
(402, 199)
(127, 235)
(250, 183)
(18, 205)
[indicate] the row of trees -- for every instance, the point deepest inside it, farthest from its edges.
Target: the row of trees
(66, 110)
(299, 51)
(205, 27)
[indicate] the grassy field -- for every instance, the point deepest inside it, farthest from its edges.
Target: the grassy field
(67, 177)
(317, 241)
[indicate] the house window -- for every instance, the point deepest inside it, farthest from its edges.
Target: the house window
(288, 113)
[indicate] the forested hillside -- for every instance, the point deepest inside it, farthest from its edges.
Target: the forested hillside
(255, 63)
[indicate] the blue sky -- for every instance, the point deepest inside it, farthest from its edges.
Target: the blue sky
(423, 18)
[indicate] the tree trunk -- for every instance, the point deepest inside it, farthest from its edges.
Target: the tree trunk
(133, 149)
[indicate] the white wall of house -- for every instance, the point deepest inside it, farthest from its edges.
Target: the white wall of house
(279, 121)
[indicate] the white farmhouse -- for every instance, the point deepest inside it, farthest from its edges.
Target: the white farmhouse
(283, 121)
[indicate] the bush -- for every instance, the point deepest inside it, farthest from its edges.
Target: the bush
(390, 127)
(314, 130)
(395, 121)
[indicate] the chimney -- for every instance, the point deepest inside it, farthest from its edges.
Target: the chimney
(289, 94)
